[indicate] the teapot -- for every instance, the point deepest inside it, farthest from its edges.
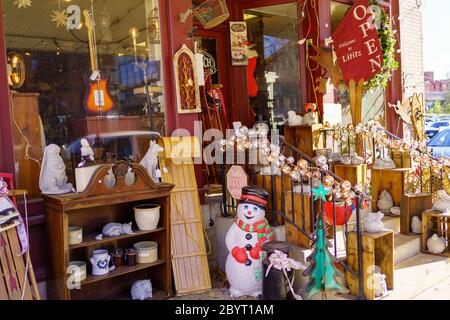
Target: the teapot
(100, 262)
(373, 222)
(436, 244)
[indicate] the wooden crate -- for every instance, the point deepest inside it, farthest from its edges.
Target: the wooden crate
(265, 183)
(413, 205)
(353, 173)
(377, 250)
(306, 138)
(393, 180)
(293, 235)
(401, 159)
(435, 222)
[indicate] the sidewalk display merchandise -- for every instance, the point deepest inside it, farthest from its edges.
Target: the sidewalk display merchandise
(120, 254)
(244, 241)
(188, 248)
(17, 279)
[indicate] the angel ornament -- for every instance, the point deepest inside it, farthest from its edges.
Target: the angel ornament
(53, 177)
(87, 154)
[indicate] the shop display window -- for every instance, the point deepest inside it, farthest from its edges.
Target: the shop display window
(273, 36)
(59, 103)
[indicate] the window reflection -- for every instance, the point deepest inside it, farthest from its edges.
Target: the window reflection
(53, 104)
(274, 47)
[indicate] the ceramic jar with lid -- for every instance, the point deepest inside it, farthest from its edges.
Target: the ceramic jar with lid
(147, 251)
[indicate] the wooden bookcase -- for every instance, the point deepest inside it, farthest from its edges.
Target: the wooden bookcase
(92, 209)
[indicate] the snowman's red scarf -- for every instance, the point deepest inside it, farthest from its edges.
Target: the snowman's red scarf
(262, 228)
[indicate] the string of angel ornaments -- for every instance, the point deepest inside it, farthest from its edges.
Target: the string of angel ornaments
(326, 186)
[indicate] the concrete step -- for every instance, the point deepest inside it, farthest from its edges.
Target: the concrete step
(405, 247)
(417, 274)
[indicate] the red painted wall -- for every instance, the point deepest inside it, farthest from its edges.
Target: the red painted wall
(6, 141)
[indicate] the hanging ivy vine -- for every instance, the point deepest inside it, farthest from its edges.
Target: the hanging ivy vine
(388, 42)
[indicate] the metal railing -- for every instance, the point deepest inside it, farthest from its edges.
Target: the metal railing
(278, 206)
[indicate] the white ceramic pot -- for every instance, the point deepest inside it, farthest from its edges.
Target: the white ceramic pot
(147, 216)
(77, 270)
(83, 176)
(100, 262)
(147, 251)
(75, 235)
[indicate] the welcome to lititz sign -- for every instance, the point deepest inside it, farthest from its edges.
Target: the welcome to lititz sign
(357, 45)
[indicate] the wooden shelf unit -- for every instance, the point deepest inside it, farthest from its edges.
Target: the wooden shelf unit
(91, 210)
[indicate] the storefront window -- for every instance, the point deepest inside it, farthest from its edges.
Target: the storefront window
(273, 34)
(59, 103)
(373, 100)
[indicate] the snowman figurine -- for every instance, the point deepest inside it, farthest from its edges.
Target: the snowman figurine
(244, 241)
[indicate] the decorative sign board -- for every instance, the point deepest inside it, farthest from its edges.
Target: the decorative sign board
(357, 45)
(238, 40)
(236, 180)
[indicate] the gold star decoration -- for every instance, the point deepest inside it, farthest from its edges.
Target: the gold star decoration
(22, 3)
(60, 17)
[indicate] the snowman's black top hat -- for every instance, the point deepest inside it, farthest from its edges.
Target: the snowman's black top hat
(254, 195)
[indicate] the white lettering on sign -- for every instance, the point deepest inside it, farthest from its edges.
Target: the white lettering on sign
(356, 15)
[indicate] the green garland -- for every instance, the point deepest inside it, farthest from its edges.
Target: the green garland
(388, 42)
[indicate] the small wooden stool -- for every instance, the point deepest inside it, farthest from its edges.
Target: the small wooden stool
(413, 205)
(377, 251)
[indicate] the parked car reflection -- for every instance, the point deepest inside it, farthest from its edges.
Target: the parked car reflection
(440, 143)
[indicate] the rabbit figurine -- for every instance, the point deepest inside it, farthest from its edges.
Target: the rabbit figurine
(416, 225)
(373, 222)
(141, 290)
(436, 244)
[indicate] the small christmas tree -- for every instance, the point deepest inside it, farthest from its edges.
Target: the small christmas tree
(321, 271)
